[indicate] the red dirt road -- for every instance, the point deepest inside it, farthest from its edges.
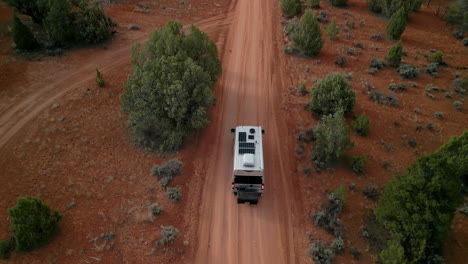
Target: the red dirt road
(249, 93)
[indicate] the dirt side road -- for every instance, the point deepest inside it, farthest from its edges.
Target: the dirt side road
(249, 93)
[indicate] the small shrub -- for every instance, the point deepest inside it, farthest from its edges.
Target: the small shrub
(302, 89)
(351, 51)
(458, 33)
(291, 7)
(392, 87)
(292, 26)
(355, 253)
(340, 193)
(394, 55)
(371, 192)
(397, 24)
(173, 194)
(376, 63)
(460, 85)
(307, 171)
(99, 78)
(465, 42)
(155, 209)
(33, 223)
(313, 4)
(331, 94)
(332, 30)
(338, 3)
(463, 210)
(372, 71)
(341, 61)
(320, 253)
(377, 37)
(408, 71)
(357, 163)
(308, 36)
(337, 245)
(412, 84)
(431, 69)
(350, 24)
(322, 16)
(455, 13)
(436, 57)
(5, 249)
(377, 96)
(361, 125)
(417, 111)
(401, 87)
(169, 234)
(167, 171)
(458, 105)
(412, 142)
(430, 126)
(439, 115)
(392, 99)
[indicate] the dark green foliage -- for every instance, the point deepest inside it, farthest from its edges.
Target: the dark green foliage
(340, 193)
(33, 223)
(292, 26)
(393, 254)
(308, 36)
(419, 206)
(337, 245)
(291, 7)
(320, 253)
(99, 78)
(374, 6)
(91, 25)
(167, 171)
(168, 94)
(436, 57)
(22, 35)
(59, 21)
(361, 125)
(5, 249)
(173, 194)
(331, 94)
(389, 7)
(394, 55)
(155, 209)
(169, 234)
(332, 30)
(397, 24)
(457, 14)
(313, 4)
(36, 9)
(339, 3)
(357, 164)
(332, 138)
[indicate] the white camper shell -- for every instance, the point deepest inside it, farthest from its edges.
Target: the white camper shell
(247, 177)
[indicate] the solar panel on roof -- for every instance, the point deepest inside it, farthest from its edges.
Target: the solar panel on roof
(242, 136)
(246, 148)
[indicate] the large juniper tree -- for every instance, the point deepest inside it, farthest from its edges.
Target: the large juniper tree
(308, 36)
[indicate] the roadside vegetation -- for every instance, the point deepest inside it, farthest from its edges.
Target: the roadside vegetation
(171, 87)
(65, 22)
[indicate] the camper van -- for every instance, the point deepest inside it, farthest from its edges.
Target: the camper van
(247, 177)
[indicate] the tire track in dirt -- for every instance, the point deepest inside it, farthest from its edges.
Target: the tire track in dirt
(249, 93)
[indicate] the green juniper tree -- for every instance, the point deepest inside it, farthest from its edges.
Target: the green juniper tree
(308, 36)
(22, 35)
(394, 55)
(397, 24)
(332, 30)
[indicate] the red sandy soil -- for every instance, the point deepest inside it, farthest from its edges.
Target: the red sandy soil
(64, 139)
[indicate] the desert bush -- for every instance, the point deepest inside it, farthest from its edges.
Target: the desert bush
(417, 110)
(5, 249)
(377, 37)
(292, 26)
(394, 55)
(308, 36)
(392, 99)
(332, 139)
(33, 223)
(439, 115)
(458, 105)
(465, 42)
(460, 85)
(332, 30)
(22, 35)
(331, 94)
(355, 253)
(397, 24)
(377, 64)
(340, 193)
(436, 57)
(389, 7)
(361, 125)
(91, 23)
(291, 7)
(357, 163)
(173, 194)
(99, 78)
(341, 61)
(320, 253)
(328, 217)
(408, 71)
(155, 209)
(371, 192)
(167, 171)
(458, 33)
(169, 234)
(377, 96)
(59, 22)
(372, 71)
(36, 9)
(374, 6)
(456, 13)
(412, 142)
(339, 3)
(302, 89)
(168, 94)
(337, 245)
(431, 69)
(313, 4)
